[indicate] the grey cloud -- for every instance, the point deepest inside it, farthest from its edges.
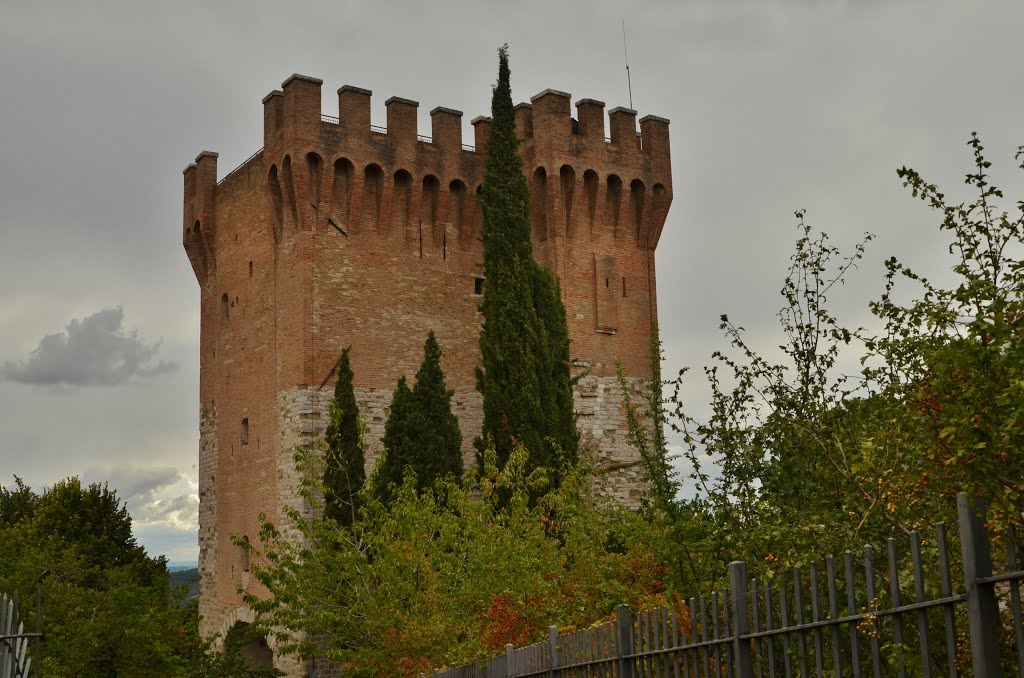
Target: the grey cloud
(131, 483)
(93, 351)
(152, 495)
(182, 511)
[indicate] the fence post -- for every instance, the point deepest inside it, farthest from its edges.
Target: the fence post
(509, 659)
(741, 625)
(553, 648)
(624, 643)
(982, 610)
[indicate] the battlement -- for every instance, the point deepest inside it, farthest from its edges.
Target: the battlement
(293, 113)
(317, 170)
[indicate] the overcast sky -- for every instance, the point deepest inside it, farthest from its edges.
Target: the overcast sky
(776, 105)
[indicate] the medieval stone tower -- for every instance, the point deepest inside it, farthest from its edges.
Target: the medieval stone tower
(339, 233)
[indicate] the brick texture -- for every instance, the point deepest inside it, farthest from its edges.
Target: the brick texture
(339, 234)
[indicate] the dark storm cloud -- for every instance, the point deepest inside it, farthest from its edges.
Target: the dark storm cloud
(94, 351)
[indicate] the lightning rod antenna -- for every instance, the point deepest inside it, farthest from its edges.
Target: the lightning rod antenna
(625, 56)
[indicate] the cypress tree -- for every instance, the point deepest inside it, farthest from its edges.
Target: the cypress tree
(440, 451)
(345, 474)
(421, 433)
(399, 443)
(524, 343)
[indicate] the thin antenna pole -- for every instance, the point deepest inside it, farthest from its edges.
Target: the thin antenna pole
(625, 55)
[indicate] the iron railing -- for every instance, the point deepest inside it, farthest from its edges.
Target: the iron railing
(240, 166)
(867, 621)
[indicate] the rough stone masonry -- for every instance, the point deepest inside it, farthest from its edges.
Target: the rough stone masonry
(339, 233)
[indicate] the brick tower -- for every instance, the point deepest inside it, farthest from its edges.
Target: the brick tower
(338, 233)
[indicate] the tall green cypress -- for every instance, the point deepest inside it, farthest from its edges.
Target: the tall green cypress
(441, 447)
(399, 443)
(524, 343)
(421, 433)
(345, 473)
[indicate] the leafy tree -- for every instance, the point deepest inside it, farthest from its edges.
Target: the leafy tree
(98, 524)
(954, 361)
(447, 575)
(107, 607)
(345, 472)
(17, 503)
(421, 434)
(524, 377)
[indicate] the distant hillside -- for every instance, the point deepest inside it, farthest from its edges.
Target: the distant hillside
(189, 578)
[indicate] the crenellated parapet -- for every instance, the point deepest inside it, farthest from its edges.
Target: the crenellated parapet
(397, 184)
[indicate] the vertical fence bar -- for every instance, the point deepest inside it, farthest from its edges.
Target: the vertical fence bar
(624, 643)
(833, 613)
(640, 668)
(675, 643)
(894, 594)
(510, 658)
(665, 643)
(706, 651)
(645, 644)
(922, 615)
(755, 615)
(947, 591)
(798, 603)
(553, 671)
(694, 611)
(851, 607)
(1018, 629)
(982, 611)
(714, 632)
(819, 659)
(768, 627)
(787, 661)
(869, 575)
(727, 653)
(741, 646)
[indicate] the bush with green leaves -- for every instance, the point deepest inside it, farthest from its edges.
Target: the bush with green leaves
(452, 573)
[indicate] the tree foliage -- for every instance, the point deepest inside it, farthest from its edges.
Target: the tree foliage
(421, 434)
(452, 573)
(798, 459)
(345, 471)
(953, 360)
(524, 342)
(107, 606)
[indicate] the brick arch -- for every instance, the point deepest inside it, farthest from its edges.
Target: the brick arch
(538, 203)
(613, 204)
(341, 191)
(429, 205)
(288, 190)
(458, 211)
(276, 202)
(637, 204)
(401, 212)
(567, 186)
(373, 193)
(591, 188)
(314, 177)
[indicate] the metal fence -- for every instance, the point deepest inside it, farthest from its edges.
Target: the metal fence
(14, 659)
(909, 617)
